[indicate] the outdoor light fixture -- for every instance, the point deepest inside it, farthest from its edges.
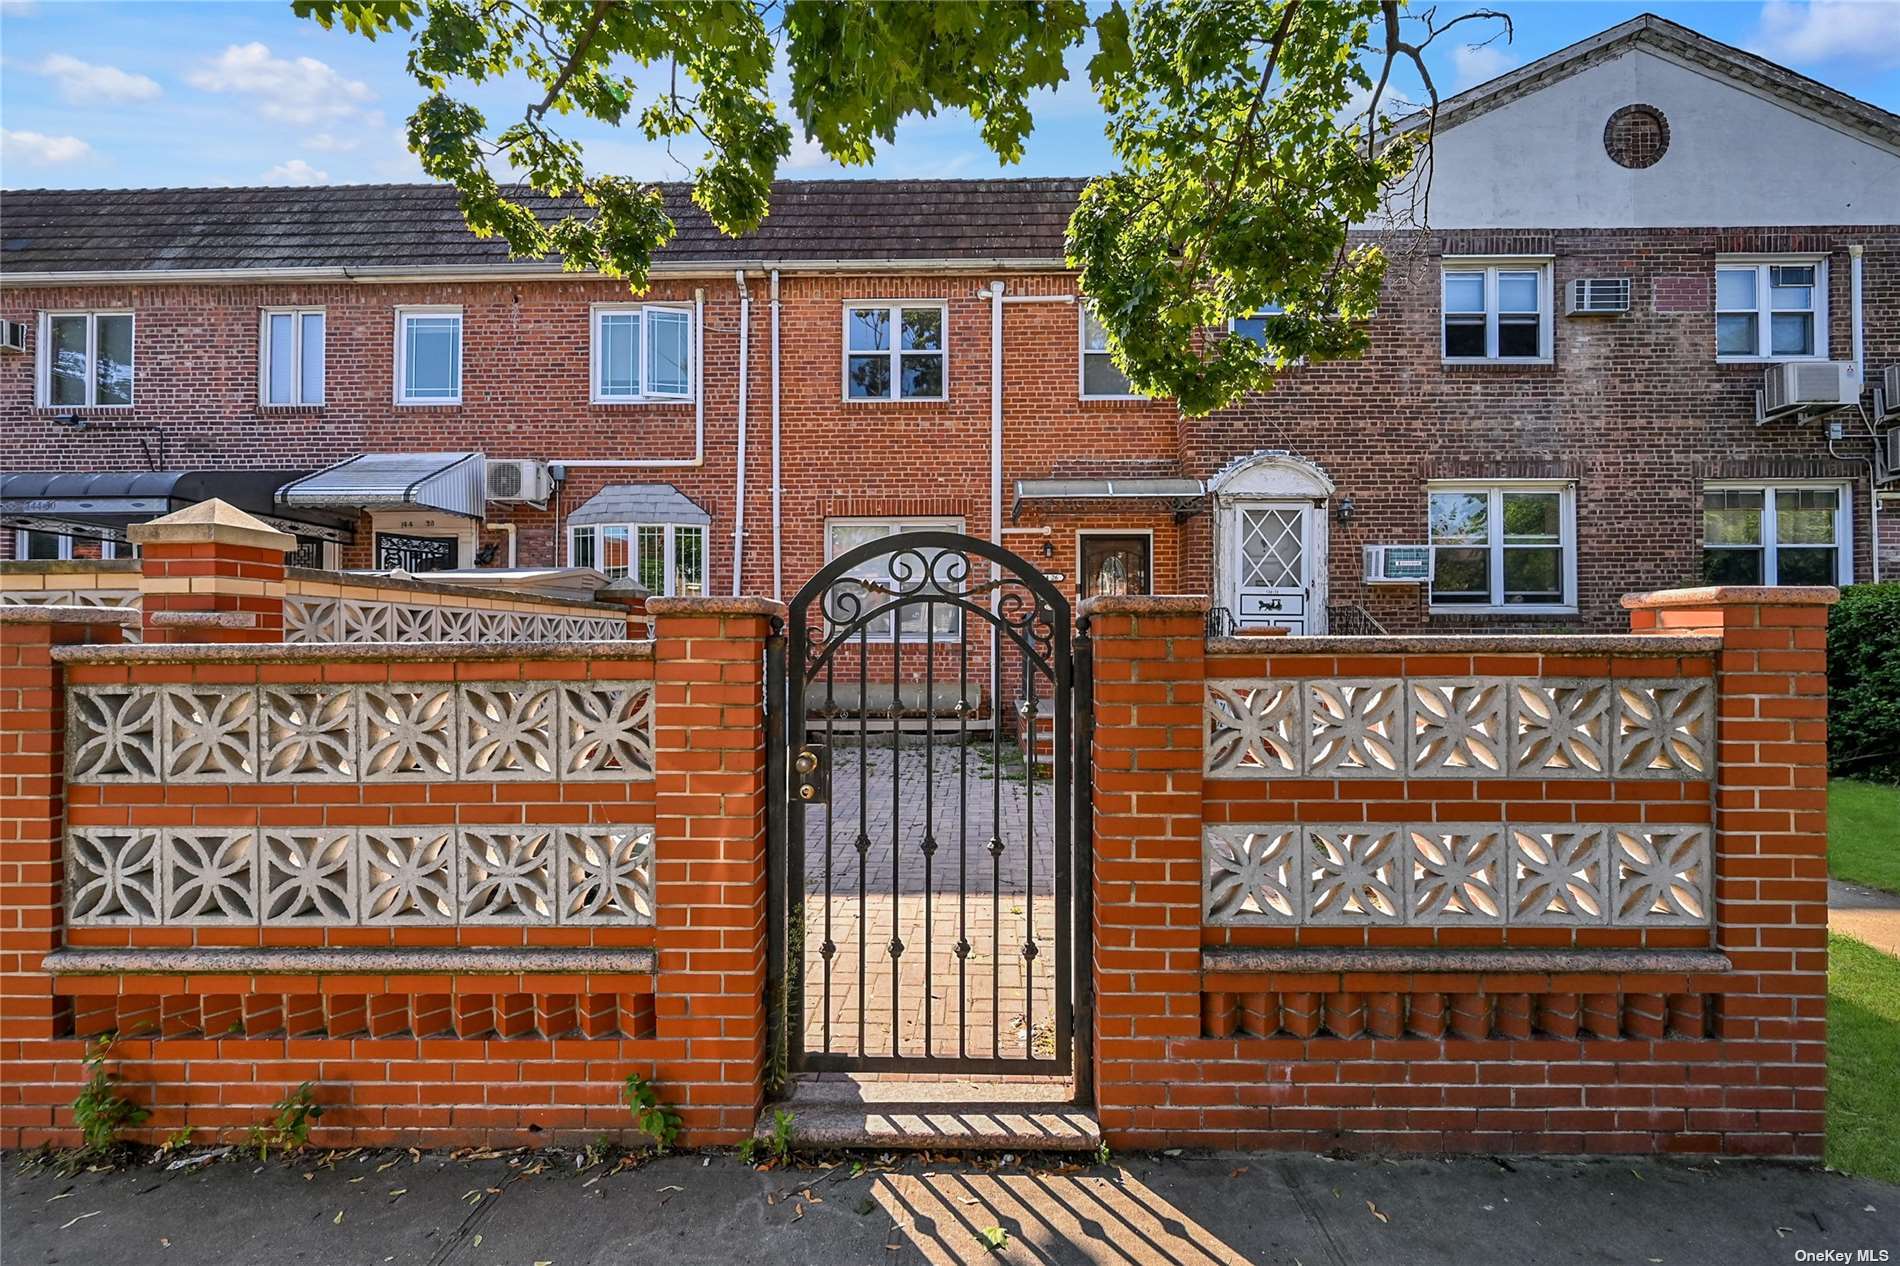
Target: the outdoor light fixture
(1345, 511)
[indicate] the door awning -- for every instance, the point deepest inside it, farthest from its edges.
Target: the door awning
(452, 483)
(1185, 494)
(103, 504)
(638, 503)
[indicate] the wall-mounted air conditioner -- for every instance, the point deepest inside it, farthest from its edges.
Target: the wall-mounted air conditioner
(1808, 388)
(520, 481)
(12, 336)
(1889, 446)
(1887, 395)
(1598, 296)
(1398, 564)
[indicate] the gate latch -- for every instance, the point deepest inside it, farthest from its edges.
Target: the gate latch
(811, 775)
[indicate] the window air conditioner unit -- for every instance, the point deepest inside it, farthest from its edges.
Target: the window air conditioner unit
(1889, 446)
(1808, 388)
(520, 481)
(1398, 564)
(1888, 395)
(1598, 296)
(12, 336)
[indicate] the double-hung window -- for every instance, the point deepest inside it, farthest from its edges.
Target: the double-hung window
(1101, 379)
(1508, 546)
(1775, 534)
(290, 350)
(642, 352)
(33, 545)
(428, 356)
(1253, 328)
(896, 351)
(845, 599)
(668, 559)
(1496, 310)
(1771, 310)
(85, 359)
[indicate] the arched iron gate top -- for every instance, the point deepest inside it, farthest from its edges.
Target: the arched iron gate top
(1035, 648)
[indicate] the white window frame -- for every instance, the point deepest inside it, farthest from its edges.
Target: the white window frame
(1770, 547)
(646, 394)
(669, 551)
(895, 307)
(1495, 548)
(44, 358)
(1083, 315)
(296, 316)
(1764, 306)
(899, 524)
(20, 536)
(1490, 266)
(403, 315)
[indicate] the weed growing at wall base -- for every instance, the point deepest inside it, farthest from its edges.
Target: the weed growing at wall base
(100, 1111)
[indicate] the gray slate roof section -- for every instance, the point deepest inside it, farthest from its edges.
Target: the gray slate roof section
(386, 228)
(638, 503)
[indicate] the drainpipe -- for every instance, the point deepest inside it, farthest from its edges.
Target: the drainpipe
(996, 426)
(1855, 254)
(745, 372)
(778, 564)
(699, 408)
(509, 528)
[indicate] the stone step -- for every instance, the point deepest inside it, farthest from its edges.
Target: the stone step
(936, 1116)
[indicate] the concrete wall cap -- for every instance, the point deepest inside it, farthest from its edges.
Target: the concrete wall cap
(211, 522)
(461, 960)
(1147, 604)
(70, 567)
(1232, 959)
(1735, 596)
(527, 653)
(203, 619)
(1615, 645)
(715, 606)
(47, 613)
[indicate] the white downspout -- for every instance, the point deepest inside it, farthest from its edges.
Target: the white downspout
(1855, 262)
(778, 565)
(996, 424)
(699, 407)
(745, 370)
(509, 528)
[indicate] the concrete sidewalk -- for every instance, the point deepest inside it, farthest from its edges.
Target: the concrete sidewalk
(1866, 914)
(388, 1207)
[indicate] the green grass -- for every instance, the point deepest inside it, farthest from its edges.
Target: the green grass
(1863, 1093)
(1863, 835)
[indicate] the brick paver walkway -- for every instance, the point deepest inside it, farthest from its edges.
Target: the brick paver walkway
(911, 1003)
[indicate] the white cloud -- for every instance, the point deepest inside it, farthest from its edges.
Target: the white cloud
(41, 150)
(303, 90)
(1827, 31)
(1475, 63)
(295, 172)
(808, 155)
(83, 83)
(330, 143)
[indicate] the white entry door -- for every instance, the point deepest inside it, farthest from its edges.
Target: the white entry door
(1273, 565)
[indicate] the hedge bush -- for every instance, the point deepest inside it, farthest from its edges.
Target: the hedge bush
(1863, 682)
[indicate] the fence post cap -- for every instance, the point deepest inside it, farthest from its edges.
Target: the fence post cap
(211, 522)
(1147, 604)
(1735, 596)
(715, 606)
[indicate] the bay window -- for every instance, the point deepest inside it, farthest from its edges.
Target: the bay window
(667, 559)
(290, 348)
(895, 351)
(1775, 534)
(1507, 546)
(641, 352)
(85, 360)
(1771, 310)
(844, 535)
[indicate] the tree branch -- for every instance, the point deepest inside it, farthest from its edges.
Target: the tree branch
(587, 34)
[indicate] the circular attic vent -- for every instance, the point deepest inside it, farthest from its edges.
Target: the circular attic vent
(1636, 136)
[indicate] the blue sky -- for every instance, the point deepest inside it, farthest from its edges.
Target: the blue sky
(234, 93)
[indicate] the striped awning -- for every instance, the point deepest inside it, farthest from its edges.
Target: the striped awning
(452, 483)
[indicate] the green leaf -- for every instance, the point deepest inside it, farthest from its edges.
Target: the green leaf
(994, 1236)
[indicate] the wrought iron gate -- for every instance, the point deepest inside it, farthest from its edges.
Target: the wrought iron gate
(930, 732)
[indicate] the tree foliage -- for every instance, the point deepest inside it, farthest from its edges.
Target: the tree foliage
(1250, 136)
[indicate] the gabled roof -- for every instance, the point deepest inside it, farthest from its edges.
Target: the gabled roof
(382, 229)
(1671, 38)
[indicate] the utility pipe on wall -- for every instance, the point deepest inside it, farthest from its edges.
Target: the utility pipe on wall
(778, 565)
(745, 372)
(699, 408)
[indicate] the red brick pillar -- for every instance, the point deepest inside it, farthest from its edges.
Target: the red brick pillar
(211, 573)
(1150, 657)
(709, 844)
(1770, 836)
(32, 825)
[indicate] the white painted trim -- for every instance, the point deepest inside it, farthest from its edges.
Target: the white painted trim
(296, 316)
(597, 310)
(895, 352)
(1764, 306)
(1494, 544)
(1315, 536)
(1843, 490)
(43, 351)
(20, 536)
(1082, 532)
(1490, 266)
(403, 313)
